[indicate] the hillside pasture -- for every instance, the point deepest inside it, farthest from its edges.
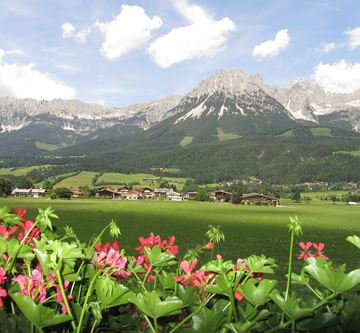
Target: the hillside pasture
(82, 179)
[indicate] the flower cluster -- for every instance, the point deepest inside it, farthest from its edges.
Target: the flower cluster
(307, 251)
(37, 286)
(197, 278)
(3, 292)
(152, 240)
(107, 257)
(25, 230)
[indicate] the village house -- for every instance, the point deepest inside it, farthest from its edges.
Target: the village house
(75, 192)
(260, 199)
(123, 191)
(135, 194)
(33, 193)
(220, 196)
(148, 192)
(108, 193)
(191, 196)
(174, 196)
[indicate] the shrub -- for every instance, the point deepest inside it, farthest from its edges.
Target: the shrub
(56, 283)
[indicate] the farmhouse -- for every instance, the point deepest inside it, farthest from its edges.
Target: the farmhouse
(124, 191)
(135, 194)
(191, 196)
(75, 192)
(148, 192)
(174, 196)
(108, 193)
(34, 193)
(220, 195)
(258, 198)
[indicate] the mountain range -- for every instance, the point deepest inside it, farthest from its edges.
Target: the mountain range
(229, 102)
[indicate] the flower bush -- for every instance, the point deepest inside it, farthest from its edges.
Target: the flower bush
(53, 283)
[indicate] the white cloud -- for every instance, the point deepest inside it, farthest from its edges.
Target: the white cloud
(16, 52)
(69, 31)
(342, 76)
(194, 13)
(353, 38)
(22, 81)
(205, 37)
(272, 47)
(129, 31)
(326, 47)
(69, 68)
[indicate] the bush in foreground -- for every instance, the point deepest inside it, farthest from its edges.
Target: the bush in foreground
(52, 283)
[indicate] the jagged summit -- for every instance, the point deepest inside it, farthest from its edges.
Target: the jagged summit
(231, 81)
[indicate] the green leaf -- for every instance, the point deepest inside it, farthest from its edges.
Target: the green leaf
(119, 295)
(151, 305)
(319, 321)
(334, 279)
(218, 266)
(44, 218)
(188, 295)
(354, 240)
(114, 229)
(260, 264)
(350, 316)
(222, 286)
(209, 320)
(244, 327)
(7, 217)
(25, 252)
(158, 258)
(293, 306)
(39, 315)
(299, 279)
(257, 293)
(167, 280)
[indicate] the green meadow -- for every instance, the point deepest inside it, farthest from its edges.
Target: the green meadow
(248, 229)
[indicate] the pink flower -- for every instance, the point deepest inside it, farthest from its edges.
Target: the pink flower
(60, 298)
(27, 225)
(218, 257)
(2, 275)
(170, 246)
(20, 212)
(7, 233)
(33, 286)
(305, 254)
(209, 245)
(237, 294)
(150, 242)
(109, 259)
(319, 247)
(3, 294)
(197, 279)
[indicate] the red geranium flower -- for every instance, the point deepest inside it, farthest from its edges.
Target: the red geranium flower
(319, 247)
(7, 233)
(305, 254)
(3, 294)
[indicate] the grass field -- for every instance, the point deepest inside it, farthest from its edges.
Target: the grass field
(82, 179)
(318, 195)
(248, 229)
(114, 179)
(21, 171)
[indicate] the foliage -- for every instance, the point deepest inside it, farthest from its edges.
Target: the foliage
(57, 283)
(5, 186)
(60, 193)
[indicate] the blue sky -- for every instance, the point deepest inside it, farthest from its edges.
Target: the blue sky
(124, 52)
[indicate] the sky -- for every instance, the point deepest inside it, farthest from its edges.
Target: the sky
(124, 52)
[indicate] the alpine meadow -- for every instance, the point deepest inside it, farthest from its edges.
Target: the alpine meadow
(179, 166)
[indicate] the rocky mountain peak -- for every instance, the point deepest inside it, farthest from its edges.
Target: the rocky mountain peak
(229, 81)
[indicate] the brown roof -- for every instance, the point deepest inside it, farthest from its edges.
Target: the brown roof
(252, 195)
